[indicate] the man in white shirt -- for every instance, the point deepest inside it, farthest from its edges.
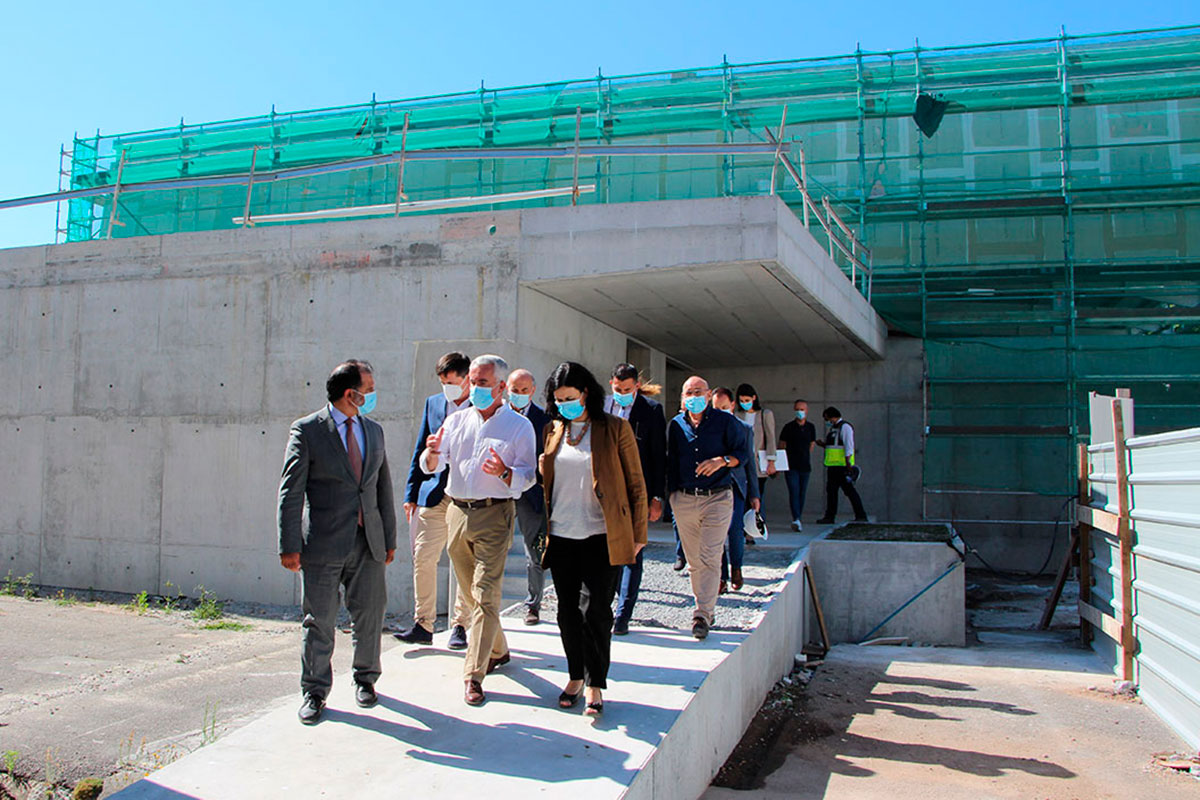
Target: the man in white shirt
(490, 453)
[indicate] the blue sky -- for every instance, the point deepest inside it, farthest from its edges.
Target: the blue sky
(123, 66)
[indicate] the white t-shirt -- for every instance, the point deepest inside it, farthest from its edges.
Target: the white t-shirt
(575, 512)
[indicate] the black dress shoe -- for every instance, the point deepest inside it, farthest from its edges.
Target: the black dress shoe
(825, 521)
(679, 564)
(620, 627)
(700, 628)
(365, 695)
(310, 710)
(415, 635)
(458, 638)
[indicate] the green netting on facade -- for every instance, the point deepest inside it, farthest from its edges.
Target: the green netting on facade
(1043, 242)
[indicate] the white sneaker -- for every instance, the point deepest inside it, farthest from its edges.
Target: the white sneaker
(796, 526)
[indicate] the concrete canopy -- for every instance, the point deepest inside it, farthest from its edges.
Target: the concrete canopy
(709, 282)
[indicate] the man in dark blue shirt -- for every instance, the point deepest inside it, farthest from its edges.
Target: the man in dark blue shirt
(703, 445)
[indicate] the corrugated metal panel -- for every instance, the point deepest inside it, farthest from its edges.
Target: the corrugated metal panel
(1164, 480)
(1105, 549)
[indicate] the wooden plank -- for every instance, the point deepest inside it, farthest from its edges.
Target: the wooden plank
(812, 592)
(1125, 534)
(1099, 519)
(1085, 554)
(1059, 582)
(1107, 624)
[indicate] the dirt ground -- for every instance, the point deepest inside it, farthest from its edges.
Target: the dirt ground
(96, 689)
(1020, 713)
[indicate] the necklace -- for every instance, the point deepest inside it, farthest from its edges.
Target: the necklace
(575, 440)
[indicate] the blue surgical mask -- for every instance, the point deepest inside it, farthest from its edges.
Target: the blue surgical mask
(622, 399)
(570, 409)
(800, 415)
(368, 403)
(746, 406)
(519, 400)
(695, 403)
(481, 397)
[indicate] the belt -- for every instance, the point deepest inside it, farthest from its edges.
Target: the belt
(706, 492)
(484, 503)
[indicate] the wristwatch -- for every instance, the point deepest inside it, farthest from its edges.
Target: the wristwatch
(727, 460)
(505, 475)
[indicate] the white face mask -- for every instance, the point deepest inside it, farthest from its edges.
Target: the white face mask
(452, 391)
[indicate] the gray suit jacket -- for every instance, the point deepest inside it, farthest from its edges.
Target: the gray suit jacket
(319, 498)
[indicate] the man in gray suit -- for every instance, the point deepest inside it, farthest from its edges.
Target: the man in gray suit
(337, 527)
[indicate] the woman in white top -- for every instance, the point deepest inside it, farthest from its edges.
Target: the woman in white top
(761, 421)
(597, 510)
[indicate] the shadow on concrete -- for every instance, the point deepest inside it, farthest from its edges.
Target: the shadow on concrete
(974, 762)
(851, 688)
(920, 698)
(511, 749)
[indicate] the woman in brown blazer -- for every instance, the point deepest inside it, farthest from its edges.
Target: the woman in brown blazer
(597, 512)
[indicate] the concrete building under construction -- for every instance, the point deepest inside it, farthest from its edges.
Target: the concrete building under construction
(952, 245)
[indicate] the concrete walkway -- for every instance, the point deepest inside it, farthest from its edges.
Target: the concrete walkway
(422, 738)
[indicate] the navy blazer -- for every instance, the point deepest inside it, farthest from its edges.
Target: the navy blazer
(534, 496)
(745, 474)
(424, 489)
(649, 425)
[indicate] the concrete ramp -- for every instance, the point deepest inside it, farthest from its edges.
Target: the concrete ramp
(673, 712)
(731, 281)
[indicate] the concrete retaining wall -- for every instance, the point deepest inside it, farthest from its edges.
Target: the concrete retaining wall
(715, 719)
(861, 582)
(152, 382)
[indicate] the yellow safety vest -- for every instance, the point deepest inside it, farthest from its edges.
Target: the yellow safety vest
(835, 454)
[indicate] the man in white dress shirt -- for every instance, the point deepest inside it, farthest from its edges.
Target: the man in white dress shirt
(490, 452)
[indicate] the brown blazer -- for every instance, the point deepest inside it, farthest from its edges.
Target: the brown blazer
(616, 478)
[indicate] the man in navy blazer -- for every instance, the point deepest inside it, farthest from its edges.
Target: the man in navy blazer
(649, 425)
(337, 528)
(745, 496)
(531, 507)
(425, 496)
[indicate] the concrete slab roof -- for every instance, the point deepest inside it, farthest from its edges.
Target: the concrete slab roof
(718, 282)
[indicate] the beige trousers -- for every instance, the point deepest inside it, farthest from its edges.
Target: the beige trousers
(703, 523)
(429, 540)
(479, 542)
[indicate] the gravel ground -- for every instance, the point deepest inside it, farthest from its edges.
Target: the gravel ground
(665, 599)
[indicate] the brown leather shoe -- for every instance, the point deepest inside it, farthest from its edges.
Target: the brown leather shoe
(736, 580)
(496, 663)
(723, 588)
(474, 693)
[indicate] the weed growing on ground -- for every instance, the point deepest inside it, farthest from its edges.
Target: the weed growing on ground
(132, 755)
(10, 761)
(226, 625)
(140, 603)
(208, 730)
(19, 586)
(53, 772)
(170, 598)
(208, 607)
(88, 789)
(64, 599)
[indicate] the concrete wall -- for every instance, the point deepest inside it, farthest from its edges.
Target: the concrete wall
(882, 399)
(152, 382)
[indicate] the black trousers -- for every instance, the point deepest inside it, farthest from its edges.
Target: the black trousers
(586, 634)
(835, 479)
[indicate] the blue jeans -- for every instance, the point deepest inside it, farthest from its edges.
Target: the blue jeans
(735, 540)
(631, 582)
(797, 486)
